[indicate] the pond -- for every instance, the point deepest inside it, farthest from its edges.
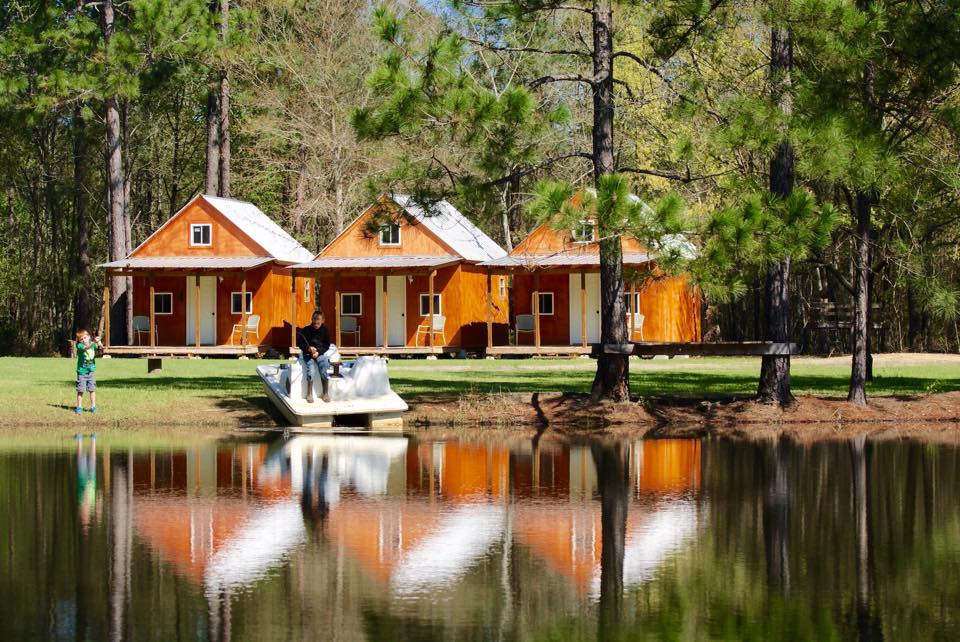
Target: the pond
(501, 537)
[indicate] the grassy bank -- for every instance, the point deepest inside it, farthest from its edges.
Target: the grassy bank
(226, 393)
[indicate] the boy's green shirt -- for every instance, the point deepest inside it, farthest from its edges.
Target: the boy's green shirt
(86, 357)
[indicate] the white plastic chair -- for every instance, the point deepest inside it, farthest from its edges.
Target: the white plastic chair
(524, 323)
(349, 325)
(141, 325)
(253, 325)
(439, 321)
(638, 330)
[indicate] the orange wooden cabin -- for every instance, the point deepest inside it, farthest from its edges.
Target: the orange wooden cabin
(192, 274)
(401, 279)
(561, 268)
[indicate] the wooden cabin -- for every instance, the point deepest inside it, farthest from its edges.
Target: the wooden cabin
(563, 268)
(401, 279)
(192, 275)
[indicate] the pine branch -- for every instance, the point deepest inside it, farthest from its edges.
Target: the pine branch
(682, 178)
(543, 80)
(520, 173)
(668, 82)
(538, 50)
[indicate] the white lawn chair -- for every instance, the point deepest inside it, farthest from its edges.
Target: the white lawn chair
(141, 325)
(349, 325)
(253, 325)
(439, 321)
(636, 333)
(524, 323)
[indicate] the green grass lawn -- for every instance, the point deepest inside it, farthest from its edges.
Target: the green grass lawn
(214, 392)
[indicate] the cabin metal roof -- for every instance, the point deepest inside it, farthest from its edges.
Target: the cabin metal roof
(563, 259)
(376, 262)
(455, 229)
(261, 228)
(189, 262)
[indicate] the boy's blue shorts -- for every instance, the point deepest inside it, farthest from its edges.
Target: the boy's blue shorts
(87, 382)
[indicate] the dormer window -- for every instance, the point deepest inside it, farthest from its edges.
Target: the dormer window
(390, 234)
(584, 232)
(200, 235)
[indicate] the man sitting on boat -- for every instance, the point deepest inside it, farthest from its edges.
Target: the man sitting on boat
(314, 341)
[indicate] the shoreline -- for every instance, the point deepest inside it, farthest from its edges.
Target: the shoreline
(933, 416)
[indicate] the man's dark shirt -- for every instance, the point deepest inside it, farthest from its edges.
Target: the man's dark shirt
(318, 338)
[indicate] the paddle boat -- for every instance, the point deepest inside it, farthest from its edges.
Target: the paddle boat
(359, 389)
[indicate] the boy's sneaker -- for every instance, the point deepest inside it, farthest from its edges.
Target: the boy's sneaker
(79, 410)
(93, 409)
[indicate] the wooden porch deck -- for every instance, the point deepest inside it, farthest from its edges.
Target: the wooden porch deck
(558, 351)
(226, 350)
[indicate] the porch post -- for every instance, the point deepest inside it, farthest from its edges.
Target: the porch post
(243, 309)
(336, 306)
(384, 320)
(583, 309)
(293, 309)
(489, 309)
(430, 308)
(106, 310)
(153, 311)
(536, 310)
(633, 313)
(196, 309)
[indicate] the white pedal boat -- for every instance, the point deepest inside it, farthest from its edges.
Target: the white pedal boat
(362, 389)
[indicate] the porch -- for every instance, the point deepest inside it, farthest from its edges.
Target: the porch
(192, 305)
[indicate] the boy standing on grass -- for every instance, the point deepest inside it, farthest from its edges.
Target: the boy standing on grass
(86, 369)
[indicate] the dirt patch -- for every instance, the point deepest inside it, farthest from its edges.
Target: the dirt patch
(932, 415)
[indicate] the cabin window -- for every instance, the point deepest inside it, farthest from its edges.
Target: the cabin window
(390, 234)
(503, 287)
(546, 303)
(350, 304)
(585, 232)
(200, 234)
(235, 303)
(425, 305)
(307, 283)
(163, 303)
(636, 302)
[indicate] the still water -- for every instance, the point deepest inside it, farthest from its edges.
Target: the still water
(366, 537)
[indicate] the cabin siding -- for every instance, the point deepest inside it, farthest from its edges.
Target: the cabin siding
(555, 328)
(415, 239)
(173, 238)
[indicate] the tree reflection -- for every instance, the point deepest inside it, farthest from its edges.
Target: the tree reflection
(613, 483)
(776, 518)
(868, 624)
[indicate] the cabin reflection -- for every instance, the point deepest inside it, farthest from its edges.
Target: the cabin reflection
(413, 516)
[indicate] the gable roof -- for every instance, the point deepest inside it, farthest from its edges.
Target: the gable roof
(261, 228)
(250, 220)
(455, 229)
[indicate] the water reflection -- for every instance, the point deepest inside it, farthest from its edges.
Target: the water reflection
(373, 537)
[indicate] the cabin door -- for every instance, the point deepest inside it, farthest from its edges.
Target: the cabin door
(593, 309)
(396, 311)
(208, 311)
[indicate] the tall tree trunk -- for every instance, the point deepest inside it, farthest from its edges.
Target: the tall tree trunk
(775, 369)
(211, 184)
(224, 187)
(81, 301)
(861, 299)
(612, 380)
(116, 220)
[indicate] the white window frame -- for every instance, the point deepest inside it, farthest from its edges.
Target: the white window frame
(502, 288)
(579, 228)
(385, 227)
(195, 226)
(425, 304)
(343, 312)
(552, 307)
(636, 302)
(156, 307)
(307, 286)
(236, 312)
